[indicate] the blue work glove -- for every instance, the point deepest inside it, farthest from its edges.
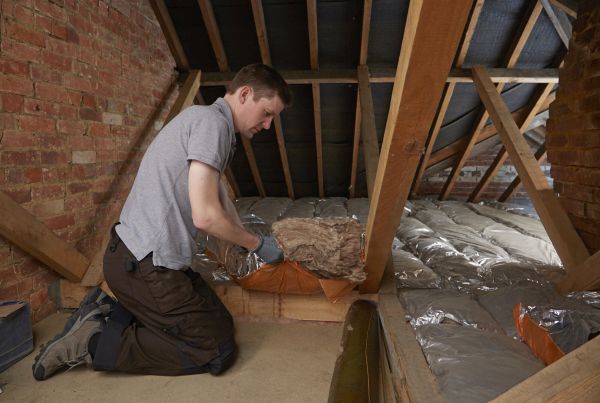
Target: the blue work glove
(268, 250)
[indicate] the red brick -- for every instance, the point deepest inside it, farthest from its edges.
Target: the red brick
(49, 92)
(50, 141)
(77, 83)
(592, 210)
(99, 130)
(20, 157)
(43, 73)
(12, 103)
(14, 67)
(71, 127)
(19, 195)
(48, 191)
(23, 15)
(83, 171)
(574, 207)
(81, 142)
(33, 175)
(7, 121)
(23, 34)
(38, 299)
(43, 23)
(78, 187)
(20, 51)
(54, 174)
(57, 61)
(89, 114)
(16, 85)
(27, 268)
(37, 124)
(17, 139)
(67, 112)
(53, 157)
(51, 10)
(59, 31)
(59, 222)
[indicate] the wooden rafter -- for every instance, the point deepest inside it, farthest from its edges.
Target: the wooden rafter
(253, 166)
(232, 182)
(511, 190)
(573, 378)
(313, 39)
(559, 20)
(166, 24)
(488, 131)
(362, 59)
(571, 249)
(386, 75)
(368, 129)
(569, 7)
(516, 49)
(585, 276)
(535, 106)
(261, 31)
(22, 229)
(263, 44)
(462, 54)
(432, 27)
(210, 22)
(188, 92)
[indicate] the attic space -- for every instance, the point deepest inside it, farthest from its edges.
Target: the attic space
(421, 223)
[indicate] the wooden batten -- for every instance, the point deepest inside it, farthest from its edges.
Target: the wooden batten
(432, 27)
(190, 88)
(567, 242)
(316, 93)
(208, 16)
(253, 166)
(22, 229)
(560, 21)
(511, 190)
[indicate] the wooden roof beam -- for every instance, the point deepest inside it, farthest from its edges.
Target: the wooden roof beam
(313, 39)
(166, 24)
(263, 44)
(386, 75)
(210, 22)
(368, 129)
(437, 125)
(362, 60)
(511, 190)
(432, 27)
(571, 249)
(492, 171)
(568, 7)
(516, 49)
(560, 21)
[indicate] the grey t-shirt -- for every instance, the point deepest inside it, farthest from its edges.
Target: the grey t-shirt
(157, 215)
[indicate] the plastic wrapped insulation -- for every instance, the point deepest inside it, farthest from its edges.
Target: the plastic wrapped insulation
(527, 211)
(408, 208)
(420, 204)
(333, 207)
(301, 208)
(427, 307)
(243, 204)
(525, 248)
(461, 214)
(432, 216)
(270, 209)
(359, 208)
(500, 303)
(473, 365)
(227, 259)
(527, 225)
(570, 323)
(410, 272)
(589, 297)
(512, 274)
(412, 228)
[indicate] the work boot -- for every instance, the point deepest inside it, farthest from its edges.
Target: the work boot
(70, 347)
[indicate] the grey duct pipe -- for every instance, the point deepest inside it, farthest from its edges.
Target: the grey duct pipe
(356, 374)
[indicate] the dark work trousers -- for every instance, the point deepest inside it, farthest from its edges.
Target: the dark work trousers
(166, 322)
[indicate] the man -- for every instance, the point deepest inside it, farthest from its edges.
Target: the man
(167, 320)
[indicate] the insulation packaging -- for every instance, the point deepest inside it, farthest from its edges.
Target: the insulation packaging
(243, 204)
(412, 228)
(410, 272)
(474, 365)
(270, 209)
(301, 208)
(527, 225)
(331, 207)
(358, 208)
(427, 307)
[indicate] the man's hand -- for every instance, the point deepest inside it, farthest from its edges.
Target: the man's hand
(268, 250)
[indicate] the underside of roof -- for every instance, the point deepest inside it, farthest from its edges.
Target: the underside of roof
(339, 24)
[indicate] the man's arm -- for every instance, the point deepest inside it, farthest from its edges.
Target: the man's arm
(208, 212)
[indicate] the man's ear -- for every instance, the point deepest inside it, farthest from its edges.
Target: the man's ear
(245, 93)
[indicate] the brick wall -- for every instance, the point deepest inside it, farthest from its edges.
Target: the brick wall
(471, 174)
(84, 85)
(573, 138)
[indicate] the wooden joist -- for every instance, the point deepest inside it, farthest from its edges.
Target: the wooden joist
(188, 92)
(22, 229)
(513, 56)
(368, 129)
(437, 125)
(585, 276)
(500, 159)
(565, 239)
(432, 27)
(166, 24)
(569, 7)
(573, 378)
(313, 39)
(362, 60)
(382, 75)
(559, 20)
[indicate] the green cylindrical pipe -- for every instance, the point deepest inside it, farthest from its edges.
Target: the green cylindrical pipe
(356, 374)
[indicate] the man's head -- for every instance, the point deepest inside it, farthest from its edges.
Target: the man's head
(256, 95)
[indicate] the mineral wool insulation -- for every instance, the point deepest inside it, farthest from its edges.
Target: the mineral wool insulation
(460, 269)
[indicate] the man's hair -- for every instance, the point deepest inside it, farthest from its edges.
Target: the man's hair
(264, 80)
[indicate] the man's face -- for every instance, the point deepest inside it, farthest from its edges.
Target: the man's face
(255, 116)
